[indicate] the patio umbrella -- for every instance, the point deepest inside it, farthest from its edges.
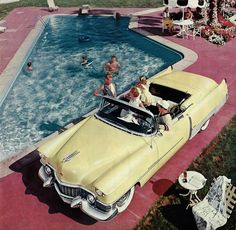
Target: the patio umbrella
(185, 3)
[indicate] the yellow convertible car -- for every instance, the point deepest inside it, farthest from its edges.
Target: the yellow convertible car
(96, 164)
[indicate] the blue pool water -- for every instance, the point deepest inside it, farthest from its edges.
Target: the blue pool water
(59, 89)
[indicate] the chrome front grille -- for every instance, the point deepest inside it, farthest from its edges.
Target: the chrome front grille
(69, 191)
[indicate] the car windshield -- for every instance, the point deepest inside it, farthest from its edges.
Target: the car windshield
(124, 116)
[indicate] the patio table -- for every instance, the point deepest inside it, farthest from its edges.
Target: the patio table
(185, 25)
(194, 182)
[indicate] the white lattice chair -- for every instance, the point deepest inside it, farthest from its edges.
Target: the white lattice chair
(2, 29)
(195, 30)
(85, 9)
(214, 210)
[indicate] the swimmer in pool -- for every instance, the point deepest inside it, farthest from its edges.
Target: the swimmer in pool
(87, 63)
(84, 38)
(29, 66)
(84, 60)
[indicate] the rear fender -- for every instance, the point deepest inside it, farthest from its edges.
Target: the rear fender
(209, 106)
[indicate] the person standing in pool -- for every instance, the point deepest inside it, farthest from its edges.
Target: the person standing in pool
(112, 65)
(116, 16)
(108, 88)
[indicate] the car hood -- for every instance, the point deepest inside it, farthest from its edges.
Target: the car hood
(93, 149)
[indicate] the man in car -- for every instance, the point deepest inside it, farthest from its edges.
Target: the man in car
(164, 115)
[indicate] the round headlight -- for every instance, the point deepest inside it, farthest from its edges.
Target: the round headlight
(90, 198)
(47, 170)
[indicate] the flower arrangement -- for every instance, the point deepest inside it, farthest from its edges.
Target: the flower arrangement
(228, 13)
(230, 3)
(218, 28)
(224, 22)
(218, 35)
(216, 39)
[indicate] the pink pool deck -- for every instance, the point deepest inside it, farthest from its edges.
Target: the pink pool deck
(26, 205)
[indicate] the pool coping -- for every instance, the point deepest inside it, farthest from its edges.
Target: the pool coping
(189, 55)
(10, 74)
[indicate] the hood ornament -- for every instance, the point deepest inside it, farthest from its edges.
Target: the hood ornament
(69, 157)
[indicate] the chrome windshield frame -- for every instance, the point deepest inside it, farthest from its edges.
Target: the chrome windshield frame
(138, 110)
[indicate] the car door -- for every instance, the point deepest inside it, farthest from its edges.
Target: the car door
(169, 142)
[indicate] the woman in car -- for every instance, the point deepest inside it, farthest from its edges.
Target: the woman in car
(146, 97)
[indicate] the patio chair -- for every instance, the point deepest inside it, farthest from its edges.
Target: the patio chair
(52, 6)
(2, 29)
(196, 30)
(85, 9)
(167, 23)
(214, 210)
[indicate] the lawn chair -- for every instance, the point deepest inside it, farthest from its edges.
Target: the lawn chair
(52, 6)
(195, 30)
(167, 23)
(85, 9)
(2, 29)
(214, 210)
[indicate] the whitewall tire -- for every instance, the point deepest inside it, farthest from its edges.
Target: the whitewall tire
(125, 200)
(205, 125)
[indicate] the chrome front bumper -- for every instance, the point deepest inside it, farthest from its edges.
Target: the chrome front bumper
(47, 180)
(82, 203)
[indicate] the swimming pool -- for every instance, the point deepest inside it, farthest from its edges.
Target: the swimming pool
(59, 89)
